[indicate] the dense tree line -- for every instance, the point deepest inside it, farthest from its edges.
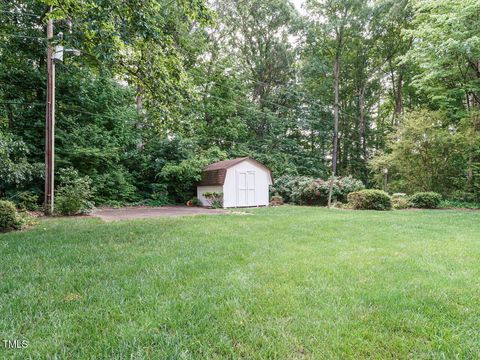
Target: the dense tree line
(164, 87)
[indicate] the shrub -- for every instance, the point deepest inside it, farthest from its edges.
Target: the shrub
(449, 204)
(276, 200)
(9, 219)
(400, 201)
(426, 200)
(115, 186)
(316, 192)
(215, 199)
(306, 190)
(288, 187)
(75, 193)
(193, 202)
(160, 195)
(370, 200)
(26, 201)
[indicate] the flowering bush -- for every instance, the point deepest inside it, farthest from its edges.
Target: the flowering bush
(288, 187)
(316, 192)
(400, 201)
(215, 199)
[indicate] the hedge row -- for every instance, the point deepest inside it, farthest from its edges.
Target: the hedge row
(303, 190)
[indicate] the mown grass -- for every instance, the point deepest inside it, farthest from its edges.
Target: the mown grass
(287, 283)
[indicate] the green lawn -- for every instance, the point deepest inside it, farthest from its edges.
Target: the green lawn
(287, 283)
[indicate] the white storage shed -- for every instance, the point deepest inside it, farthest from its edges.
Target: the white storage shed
(244, 182)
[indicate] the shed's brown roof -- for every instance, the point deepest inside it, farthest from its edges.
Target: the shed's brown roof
(225, 164)
(214, 174)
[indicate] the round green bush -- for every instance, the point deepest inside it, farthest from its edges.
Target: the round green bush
(370, 200)
(426, 200)
(9, 218)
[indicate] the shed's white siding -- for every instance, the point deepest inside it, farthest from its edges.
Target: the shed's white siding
(258, 174)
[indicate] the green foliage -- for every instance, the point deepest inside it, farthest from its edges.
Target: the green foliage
(15, 169)
(447, 49)
(401, 201)
(426, 200)
(27, 201)
(288, 187)
(194, 201)
(215, 199)
(426, 154)
(155, 90)
(370, 199)
(183, 176)
(276, 200)
(305, 190)
(114, 186)
(160, 195)
(9, 218)
(316, 192)
(75, 193)
(458, 204)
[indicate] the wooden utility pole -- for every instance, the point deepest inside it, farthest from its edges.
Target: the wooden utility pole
(50, 123)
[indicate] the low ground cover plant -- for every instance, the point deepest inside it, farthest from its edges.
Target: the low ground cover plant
(456, 204)
(370, 199)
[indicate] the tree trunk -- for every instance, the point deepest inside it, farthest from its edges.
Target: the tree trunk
(141, 113)
(398, 95)
(336, 110)
(363, 131)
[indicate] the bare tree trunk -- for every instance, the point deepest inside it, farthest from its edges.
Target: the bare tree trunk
(336, 111)
(398, 95)
(141, 112)
(363, 131)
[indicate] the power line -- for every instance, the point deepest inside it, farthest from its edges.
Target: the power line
(77, 109)
(20, 103)
(23, 36)
(20, 13)
(288, 92)
(270, 102)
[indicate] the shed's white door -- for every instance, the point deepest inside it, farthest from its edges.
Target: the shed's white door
(245, 188)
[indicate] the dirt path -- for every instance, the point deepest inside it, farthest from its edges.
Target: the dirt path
(141, 212)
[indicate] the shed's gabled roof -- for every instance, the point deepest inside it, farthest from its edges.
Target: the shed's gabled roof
(214, 174)
(225, 164)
